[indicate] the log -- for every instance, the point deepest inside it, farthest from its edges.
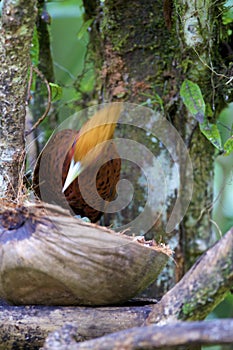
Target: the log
(26, 327)
(49, 257)
(179, 335)
(199, 290)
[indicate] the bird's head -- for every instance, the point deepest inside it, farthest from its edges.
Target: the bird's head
(98, 129)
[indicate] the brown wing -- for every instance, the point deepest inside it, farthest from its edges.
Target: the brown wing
(51, 170)
(95, 185)
(47, 176)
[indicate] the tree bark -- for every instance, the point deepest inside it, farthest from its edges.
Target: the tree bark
(39, 101)
(17, 23)
(29, 326)
(191, 299)
(171, 336)
(196, 23)
(146, 54)
(50, 258)
(201, 288)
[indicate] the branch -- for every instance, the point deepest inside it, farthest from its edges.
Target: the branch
(201, 288)
(172, 336)
(42, 118)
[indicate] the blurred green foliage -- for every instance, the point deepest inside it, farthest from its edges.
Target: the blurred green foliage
(69, 51)
(227, 16)
(223, 185)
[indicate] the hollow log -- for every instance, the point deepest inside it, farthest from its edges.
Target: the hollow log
(51, 258)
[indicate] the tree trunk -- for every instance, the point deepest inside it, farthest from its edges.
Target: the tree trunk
(148, 48)
(17, 23)
(40, 101)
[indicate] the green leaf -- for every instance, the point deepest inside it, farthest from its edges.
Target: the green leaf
(82, 31)
(56, 91)
(228, 146)
(193, 99)
(211, 132)
(208, 111)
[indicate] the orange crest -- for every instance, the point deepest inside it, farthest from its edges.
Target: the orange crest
(98, 129)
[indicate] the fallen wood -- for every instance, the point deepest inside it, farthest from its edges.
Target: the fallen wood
(193, 297)
(28, 326)
(49, 257)
(171, 336)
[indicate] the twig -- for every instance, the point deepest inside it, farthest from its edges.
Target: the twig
(39, 121)
(21, 192)
(212, 70)
(29, 83)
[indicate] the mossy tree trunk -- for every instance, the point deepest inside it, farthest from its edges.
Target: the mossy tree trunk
(42, 77)
(147, 49)
(16, 25)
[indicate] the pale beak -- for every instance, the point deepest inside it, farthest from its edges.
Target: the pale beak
(74, 171)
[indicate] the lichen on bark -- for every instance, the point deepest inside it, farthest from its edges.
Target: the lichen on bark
(196, 23)
(148, 48)
(17, 22)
